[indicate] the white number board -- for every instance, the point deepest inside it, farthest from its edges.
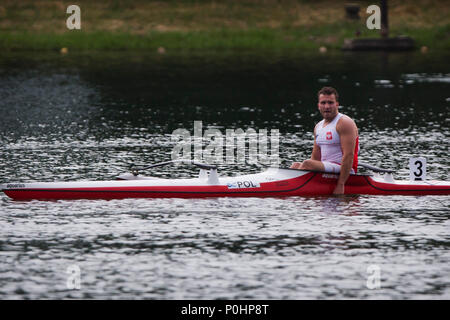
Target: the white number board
(417, 169)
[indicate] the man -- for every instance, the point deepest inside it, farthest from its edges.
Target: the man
(336, 143)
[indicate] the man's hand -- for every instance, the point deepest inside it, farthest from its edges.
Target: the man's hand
(296, 165)
(339, 189)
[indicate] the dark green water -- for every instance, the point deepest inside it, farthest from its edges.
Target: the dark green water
(86, 116)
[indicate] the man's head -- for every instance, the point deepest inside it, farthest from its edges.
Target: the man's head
(328, 102)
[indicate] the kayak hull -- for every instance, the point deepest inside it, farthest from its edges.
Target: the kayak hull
(271, 183)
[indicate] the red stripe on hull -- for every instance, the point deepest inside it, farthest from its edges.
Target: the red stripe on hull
(311, 184)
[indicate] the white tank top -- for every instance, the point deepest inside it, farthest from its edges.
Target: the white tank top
(329, 141)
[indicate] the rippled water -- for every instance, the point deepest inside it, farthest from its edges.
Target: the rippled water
(89, 116)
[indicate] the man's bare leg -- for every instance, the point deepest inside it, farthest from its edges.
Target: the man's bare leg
(313, 165)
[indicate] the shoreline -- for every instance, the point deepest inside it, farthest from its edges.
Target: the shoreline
(204, 24)
(211, 40)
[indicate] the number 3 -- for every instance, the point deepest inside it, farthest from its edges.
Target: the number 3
(419, 165)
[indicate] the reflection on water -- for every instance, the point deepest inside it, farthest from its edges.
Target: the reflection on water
(347, 205)
(88, 116)
(226, 248)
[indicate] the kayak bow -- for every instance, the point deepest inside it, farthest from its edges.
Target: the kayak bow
(274, 182)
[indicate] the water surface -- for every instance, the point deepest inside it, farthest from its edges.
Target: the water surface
(87, 116)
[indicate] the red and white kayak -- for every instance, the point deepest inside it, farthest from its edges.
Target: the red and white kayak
(274, 182)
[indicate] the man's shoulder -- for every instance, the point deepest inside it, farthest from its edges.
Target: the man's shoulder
(345, 122)
(320, 122)
(345, 119)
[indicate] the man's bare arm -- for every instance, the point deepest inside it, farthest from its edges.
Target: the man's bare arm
(315, 155)
(348, 132)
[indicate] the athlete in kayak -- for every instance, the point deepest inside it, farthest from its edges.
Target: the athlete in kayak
(336, 143)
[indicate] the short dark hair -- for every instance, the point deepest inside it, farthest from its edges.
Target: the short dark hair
(328, 91)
